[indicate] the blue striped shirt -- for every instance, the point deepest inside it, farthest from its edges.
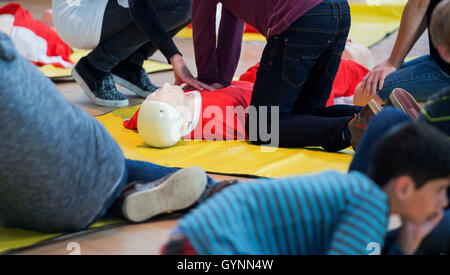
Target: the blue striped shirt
(327, 213)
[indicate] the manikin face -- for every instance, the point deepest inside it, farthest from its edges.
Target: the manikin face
(419, 205)
(358, 53)
(175, 97)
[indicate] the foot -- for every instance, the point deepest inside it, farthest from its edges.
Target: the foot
(403, 100)
(358, 125)
(133, 78)
(176, 191)
(98, 87)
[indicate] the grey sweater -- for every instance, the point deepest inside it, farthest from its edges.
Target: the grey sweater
(58, 165)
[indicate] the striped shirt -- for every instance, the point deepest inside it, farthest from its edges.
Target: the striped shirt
(327, 213)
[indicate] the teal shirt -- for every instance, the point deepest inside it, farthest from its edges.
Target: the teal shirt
(327, 213)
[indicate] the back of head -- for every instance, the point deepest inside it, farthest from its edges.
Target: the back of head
(437, 111)
(416, 149)
(440, 25)
(159, 124)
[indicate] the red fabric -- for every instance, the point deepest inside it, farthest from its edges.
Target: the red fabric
(347, 78)
(187, 249)
(247, 28)
(55, 46)
(213, 124)
(349, 75)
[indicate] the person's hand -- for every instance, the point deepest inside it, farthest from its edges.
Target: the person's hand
(215, 85)
(183, 75)
(411, 234)
(375, 79)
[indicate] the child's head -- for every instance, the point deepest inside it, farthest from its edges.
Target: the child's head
(437, 111)
(440, 29)
(412, 164)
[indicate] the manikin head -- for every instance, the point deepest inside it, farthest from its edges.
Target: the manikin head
(411, 164)
(358, 53)
(165, 117)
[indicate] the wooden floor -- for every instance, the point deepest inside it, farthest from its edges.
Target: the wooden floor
(147, 238)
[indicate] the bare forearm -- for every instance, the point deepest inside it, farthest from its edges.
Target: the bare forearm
(412, 25)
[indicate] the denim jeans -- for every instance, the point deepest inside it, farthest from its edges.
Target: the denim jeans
(122, 39)
(139, 171)
(296, 73)
(421, 77)
(438, 241)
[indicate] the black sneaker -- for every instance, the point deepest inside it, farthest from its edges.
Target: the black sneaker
(133, 78)
(101, 91)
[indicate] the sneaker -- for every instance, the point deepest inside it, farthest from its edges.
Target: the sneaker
(403, 100)
(101, 91)
(358, 125)
(133, 78)
(218, 187)
(141, 201)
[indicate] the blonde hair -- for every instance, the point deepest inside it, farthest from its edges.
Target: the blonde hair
(440, 25)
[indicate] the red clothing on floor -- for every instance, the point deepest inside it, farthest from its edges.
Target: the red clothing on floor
(213, 123)
(37, 41)
(347, 78)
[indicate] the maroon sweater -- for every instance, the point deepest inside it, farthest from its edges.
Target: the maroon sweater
(218, 62)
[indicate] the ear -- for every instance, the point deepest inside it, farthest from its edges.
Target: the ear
(444, 53)
(404, 187)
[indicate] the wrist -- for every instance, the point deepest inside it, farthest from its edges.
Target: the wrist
(395, 62)
(176, 58)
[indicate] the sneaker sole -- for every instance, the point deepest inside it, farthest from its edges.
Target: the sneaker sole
(93, 98)
(179, 191)
(405, 102)
(375, 106)
(130, 86)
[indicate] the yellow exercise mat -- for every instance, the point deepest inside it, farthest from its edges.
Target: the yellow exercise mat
(225, 157)
(14, 239)
(370, 23)
(63, 74)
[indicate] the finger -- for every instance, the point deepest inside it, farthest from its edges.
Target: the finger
(381, 83)
(364, 82)
(369, 84)
(195, 85)
(375, 84)
(206, 86)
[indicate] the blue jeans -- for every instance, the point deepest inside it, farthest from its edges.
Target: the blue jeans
(296, 74)
(438, 241)
(421, 77)
(139, 171)
(122, 39)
